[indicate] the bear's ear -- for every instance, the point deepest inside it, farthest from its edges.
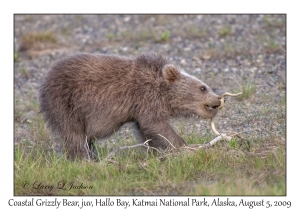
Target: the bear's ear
(170, 73)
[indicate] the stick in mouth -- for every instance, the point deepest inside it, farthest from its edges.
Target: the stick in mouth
(222, 100)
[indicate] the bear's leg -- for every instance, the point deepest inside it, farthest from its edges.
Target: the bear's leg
(161, 134)
(93, 150)
(87, 148)
(75, 147)
(90, 149)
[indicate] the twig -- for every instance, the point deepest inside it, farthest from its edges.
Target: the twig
(145, 144)
(220, 136)
(211, 143)
(222, 100)
(212, 122)
(167, 140)
(87, 149)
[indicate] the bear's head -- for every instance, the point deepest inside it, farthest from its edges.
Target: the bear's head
(187, 95)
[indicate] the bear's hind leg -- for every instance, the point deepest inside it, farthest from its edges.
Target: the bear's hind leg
(76, 147)
(93, 150)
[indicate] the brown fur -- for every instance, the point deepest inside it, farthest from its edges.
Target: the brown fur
(91, 96)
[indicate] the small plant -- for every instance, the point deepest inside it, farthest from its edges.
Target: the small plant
(110, 36)
(19, 154)
(212, 74)
(233, 143)
(248, 89)
(29, 40)
(28, 18)
(66, 31)
(137, 36)
(46, 36)
(164, 37)
(283, 100)
(274, 22)
(195, 32)
(270, 45)
(16, 56)
(25, 72)
(225, 31)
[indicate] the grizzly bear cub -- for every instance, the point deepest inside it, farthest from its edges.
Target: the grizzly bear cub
(89, 96)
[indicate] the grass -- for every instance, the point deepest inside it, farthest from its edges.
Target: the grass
(16, 56)
(110, 36)
(24, 102)
(225, 31)
(25, 72)
(248, 88)
(142, 35)
(194, 31)
(271, 46)
(137, 36)
(164, 36)
(215, 171)
(228, 168)
(274, 22)
(270, 43)
(34, 39)
(46, 36)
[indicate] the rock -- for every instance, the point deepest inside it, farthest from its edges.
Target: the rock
(26, 117)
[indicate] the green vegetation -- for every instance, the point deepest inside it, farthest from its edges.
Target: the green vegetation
(16, 56)
(30, 40)
(110, 36)
(145, 34)
(140, 35)
(225, 31)
(271, 46)
(194, 31)
(274, 22)
(248, 88)
(46, 36)
(223, 170)
(164, 37)
(25, 72)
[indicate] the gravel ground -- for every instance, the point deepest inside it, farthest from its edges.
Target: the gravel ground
(225, 51)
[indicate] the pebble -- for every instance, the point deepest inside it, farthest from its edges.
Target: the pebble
(127, 19)
(183, 61)
(26, 117)
(197, 70)
(234, 70)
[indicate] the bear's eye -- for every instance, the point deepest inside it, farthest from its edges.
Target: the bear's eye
(203, 88)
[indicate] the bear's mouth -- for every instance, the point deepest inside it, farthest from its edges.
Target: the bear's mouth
(209, 108)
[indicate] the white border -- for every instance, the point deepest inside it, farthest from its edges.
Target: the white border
(187, 6)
